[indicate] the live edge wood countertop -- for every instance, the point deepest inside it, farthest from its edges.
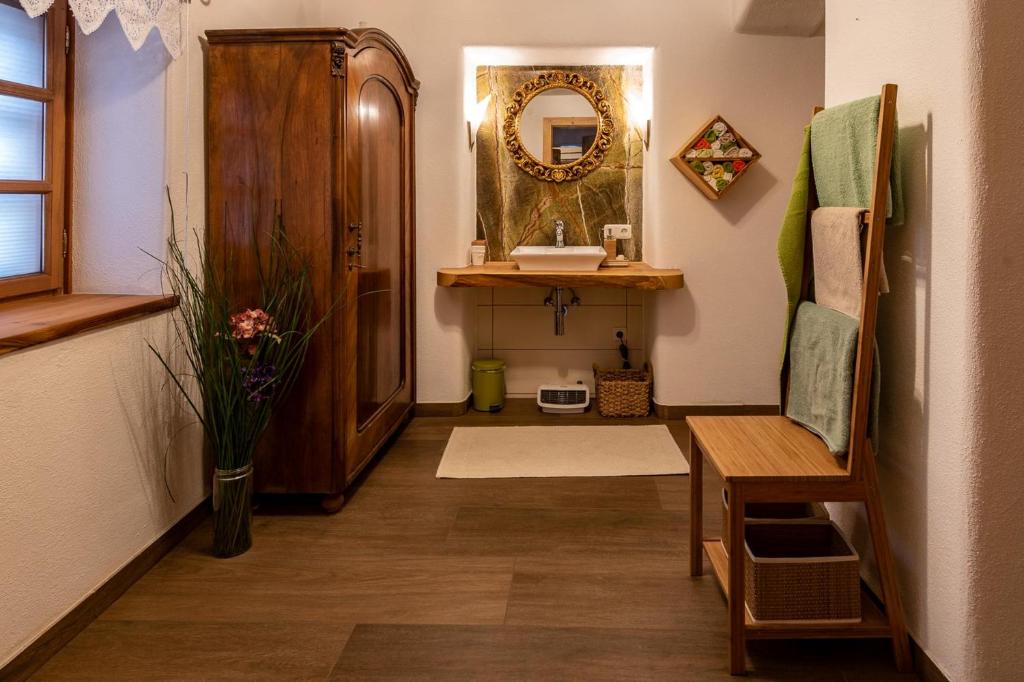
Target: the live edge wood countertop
(507, 274)
(32, 321)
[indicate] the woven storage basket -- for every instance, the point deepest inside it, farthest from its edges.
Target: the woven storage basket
(801, 571)
(774, 512)
(623, 392)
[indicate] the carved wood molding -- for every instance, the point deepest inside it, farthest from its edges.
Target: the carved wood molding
(358, 39)
(591, 159)
(351, 41)
(338, 59)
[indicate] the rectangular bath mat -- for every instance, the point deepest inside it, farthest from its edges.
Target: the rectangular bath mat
(549, 451)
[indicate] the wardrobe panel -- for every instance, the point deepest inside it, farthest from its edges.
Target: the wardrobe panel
(379, 297)
(379, 326)
(269, 138)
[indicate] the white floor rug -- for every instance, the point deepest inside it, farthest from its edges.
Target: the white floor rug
(547, 451)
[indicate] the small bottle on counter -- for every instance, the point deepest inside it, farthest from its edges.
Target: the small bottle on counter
(611, 249)
(478, 252)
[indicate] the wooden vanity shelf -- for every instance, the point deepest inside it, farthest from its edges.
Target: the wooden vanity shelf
(507, 274)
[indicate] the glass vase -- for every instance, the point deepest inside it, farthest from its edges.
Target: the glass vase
(232, 511)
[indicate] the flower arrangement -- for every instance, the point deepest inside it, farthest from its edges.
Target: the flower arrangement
(241, 364)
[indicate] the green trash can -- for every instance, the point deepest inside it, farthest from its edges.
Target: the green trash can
(488, 385)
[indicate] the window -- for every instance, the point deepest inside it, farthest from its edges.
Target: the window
(33, 167)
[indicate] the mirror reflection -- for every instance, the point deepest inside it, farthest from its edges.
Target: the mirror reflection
(558, 126)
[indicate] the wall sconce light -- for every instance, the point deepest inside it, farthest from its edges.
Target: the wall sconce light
(474, 118)
(640, 118)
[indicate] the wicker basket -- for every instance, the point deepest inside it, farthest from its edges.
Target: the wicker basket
(623, 392)
(801, 571)
(774, 512)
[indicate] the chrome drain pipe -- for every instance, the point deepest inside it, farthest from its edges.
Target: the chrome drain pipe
(555, 299)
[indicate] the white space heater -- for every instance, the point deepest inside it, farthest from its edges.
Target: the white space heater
(563, 399)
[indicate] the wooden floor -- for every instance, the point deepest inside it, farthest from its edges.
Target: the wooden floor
(419, 578)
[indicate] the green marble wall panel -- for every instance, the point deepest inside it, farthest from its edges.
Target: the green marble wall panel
(514, 208)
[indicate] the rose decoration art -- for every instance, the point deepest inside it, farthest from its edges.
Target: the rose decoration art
(714, 158)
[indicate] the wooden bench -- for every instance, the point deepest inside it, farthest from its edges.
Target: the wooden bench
(772, 459)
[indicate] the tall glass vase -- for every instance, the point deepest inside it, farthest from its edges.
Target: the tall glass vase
(232, 511)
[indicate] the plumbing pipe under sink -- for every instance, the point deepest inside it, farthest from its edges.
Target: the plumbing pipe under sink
(555, 299)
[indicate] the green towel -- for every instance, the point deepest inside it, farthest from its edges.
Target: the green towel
(793, 233)
(843, 146)
(822, 355)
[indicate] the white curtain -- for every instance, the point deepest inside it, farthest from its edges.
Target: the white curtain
(138, 17)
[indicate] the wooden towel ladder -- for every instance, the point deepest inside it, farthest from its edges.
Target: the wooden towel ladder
(771, 459)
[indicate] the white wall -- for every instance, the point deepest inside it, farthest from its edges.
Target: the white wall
(80, 422)
(514, 325)
(998, 607)
(951, 414)
(89, 438)
(87, 422)
(717, 340)
(85, 419)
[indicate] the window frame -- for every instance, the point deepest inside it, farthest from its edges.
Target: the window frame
(56, 97)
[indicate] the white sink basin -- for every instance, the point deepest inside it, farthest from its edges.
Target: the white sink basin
(558, 259)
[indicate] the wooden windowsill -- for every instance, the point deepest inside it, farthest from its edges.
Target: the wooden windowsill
(29, 322)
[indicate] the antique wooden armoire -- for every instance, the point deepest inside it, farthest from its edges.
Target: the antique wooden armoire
(317, 124)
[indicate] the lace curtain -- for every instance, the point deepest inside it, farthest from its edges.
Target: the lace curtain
(138, 17)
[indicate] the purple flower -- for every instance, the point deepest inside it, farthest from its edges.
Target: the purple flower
(256, 379)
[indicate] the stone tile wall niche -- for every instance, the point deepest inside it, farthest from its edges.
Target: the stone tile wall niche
(515, 209)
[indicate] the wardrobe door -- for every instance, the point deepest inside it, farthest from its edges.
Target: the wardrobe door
(270, 123)
(378, 255)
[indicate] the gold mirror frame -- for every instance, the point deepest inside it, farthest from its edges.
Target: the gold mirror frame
(549, 172)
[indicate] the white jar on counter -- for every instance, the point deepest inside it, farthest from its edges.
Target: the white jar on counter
(478, 252)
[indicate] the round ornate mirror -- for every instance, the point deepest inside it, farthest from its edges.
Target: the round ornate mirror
(558, 126)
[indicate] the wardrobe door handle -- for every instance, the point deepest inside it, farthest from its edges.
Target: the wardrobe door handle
(354, 253)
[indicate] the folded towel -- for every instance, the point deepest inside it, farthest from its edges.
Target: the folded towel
(843, 145)
(822, 354)
(838, 262)
(790, 246)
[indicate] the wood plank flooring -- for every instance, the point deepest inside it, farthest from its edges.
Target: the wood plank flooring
(426, 579)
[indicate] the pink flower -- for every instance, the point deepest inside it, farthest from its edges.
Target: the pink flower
(247, 325)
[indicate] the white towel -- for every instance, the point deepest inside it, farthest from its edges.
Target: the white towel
(838, 263)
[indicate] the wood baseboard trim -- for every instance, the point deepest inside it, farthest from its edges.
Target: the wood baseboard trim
(460, 408)
(684, 411)
(443, 409)
(32, 658)
(924, 666)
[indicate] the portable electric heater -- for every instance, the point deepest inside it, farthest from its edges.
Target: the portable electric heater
(562, 399)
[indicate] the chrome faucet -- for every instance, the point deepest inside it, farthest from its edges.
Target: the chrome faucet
(559, 234)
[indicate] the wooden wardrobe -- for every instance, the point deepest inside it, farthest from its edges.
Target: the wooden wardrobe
(317, 125)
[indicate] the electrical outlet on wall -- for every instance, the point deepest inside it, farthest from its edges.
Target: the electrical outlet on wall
(618, 232)
(615, 334)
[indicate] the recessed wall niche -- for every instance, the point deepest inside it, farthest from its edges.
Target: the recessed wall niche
(515, 209)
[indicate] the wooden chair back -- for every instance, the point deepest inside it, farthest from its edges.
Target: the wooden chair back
(874, 240)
